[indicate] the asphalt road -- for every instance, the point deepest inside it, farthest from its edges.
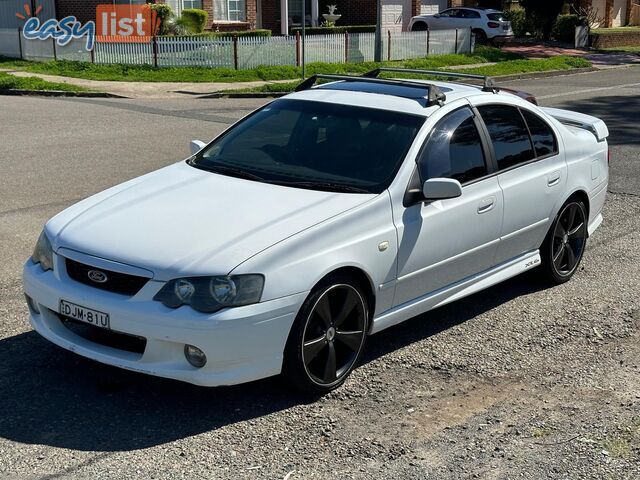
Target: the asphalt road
(519, 381)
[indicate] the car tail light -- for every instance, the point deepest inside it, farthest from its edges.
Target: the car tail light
(493, 25)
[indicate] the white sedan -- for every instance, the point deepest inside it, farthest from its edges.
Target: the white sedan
(317, 220)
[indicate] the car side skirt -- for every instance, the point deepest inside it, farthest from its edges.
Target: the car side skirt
(456, 291)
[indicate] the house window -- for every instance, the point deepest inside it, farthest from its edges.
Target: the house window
(192, 4)
(178, 5)
(229, 10)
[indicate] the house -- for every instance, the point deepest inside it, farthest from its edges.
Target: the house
(280, 15)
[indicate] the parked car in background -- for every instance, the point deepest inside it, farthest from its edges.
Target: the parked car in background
(489, 26)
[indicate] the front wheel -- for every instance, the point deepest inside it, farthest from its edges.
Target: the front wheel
(327, 337)
(564, 246)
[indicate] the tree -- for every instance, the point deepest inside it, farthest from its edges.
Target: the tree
(543, 13)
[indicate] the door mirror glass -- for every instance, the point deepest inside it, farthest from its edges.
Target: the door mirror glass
(196, 146)
(441, 188)
(437, 15)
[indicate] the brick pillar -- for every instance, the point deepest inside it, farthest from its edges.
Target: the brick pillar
(252, 13)
(627, 13)
(608, 14)
(415, 7)
(207, 6)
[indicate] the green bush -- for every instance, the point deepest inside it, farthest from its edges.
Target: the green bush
(195, 19)
(340, 29)
(164, 14)
(565, 27)
(519, 23)
(244, 33)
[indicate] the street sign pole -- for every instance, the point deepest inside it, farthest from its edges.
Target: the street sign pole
(304, 24)
(377, 53)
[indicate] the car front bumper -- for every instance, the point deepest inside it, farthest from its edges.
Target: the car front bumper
(241, 344)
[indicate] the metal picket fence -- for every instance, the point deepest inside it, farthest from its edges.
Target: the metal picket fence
(240, 52)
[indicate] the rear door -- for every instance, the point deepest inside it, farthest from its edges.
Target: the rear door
(531, 172)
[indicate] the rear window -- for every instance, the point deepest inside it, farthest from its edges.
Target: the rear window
(544, 141)
(509, 135)
(497, 17)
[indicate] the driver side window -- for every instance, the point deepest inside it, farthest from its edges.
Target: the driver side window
(453, 150)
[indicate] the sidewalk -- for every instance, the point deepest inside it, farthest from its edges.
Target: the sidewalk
(145, 89)
(599, 60)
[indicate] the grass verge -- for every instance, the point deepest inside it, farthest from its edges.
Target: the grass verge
(145, 73)
(510, 67)
(11, 82)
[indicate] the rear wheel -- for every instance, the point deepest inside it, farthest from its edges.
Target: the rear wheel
(564, 246)
(481, 37)
(328, 336)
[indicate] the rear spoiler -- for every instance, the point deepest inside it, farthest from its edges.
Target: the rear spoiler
(580, 120)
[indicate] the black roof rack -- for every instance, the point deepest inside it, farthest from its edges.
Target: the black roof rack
(434, 95)
(488, 82)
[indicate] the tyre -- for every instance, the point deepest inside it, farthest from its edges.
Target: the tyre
(327, 337)
(481, 37)
(564, 245)
(419, 27)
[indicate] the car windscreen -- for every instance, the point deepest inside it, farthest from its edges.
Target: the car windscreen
(317, 145)
(497, 17)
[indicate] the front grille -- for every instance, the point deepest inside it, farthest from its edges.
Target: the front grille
(115, 281)
(107, 338)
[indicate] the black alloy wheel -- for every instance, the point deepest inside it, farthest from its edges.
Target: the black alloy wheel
(565, 242)
(327, 338)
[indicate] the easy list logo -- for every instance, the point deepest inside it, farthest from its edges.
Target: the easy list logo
(63, 31)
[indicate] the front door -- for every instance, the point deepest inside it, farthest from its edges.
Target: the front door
(444, 241)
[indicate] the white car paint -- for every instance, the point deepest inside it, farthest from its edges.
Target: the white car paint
(182, 221)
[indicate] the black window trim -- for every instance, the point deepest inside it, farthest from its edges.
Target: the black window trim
(488, 160)
(536, 158)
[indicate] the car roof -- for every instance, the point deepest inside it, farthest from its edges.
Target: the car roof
(387, 97)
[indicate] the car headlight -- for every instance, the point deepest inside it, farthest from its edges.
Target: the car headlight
(43, 253)
(210, 294)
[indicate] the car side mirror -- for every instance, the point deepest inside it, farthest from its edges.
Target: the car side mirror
(437, 15)
(196, 146)
(441, 189)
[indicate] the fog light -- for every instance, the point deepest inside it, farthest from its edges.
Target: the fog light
(195, 356)
(32, 305)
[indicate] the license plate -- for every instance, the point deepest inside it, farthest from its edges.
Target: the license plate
(84, 314)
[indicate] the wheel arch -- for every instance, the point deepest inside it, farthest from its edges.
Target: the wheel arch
(362, 279)
(419, 26)
(579, 194)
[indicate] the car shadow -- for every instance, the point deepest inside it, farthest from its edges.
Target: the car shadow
(53, 397)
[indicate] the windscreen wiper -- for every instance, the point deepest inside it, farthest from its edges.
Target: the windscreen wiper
(334, 187)
(234, 172)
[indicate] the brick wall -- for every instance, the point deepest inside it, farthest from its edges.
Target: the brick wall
(271, 15)
(615, 39)
(83, 10)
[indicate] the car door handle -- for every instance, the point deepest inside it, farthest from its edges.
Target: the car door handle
(486, 205)
(553, 179)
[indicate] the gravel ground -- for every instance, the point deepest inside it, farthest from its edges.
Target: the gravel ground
(518, 381)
